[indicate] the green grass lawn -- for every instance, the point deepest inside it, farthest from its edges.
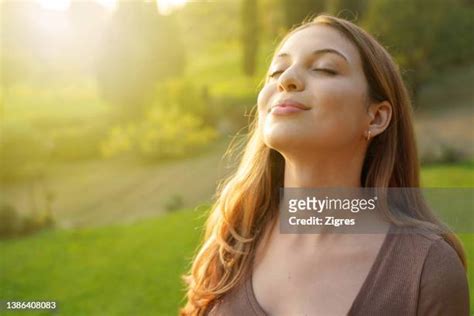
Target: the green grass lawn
(448, 176)
(132, 269)
(115, 270)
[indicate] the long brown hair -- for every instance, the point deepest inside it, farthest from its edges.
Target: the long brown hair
(246, 203)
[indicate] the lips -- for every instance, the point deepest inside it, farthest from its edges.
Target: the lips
(287, 107)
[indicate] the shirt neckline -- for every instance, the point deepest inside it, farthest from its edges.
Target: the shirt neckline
(358, 298)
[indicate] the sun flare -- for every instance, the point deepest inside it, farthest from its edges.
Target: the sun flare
(55, 5)
(168, 6)
(163, 6)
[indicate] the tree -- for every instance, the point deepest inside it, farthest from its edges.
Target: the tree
(350, 9)
(250, 35)
(296, 11)
(455, 42)
(424, 36)
(140, 48)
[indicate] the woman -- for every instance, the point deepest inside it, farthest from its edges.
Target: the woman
(333, 112)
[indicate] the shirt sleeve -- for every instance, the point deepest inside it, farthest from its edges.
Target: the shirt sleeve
(443, 285)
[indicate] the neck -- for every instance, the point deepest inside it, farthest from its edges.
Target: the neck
(314, 172)
(330, 171)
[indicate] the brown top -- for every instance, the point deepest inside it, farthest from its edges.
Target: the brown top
(413, 274)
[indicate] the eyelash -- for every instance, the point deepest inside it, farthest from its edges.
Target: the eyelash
(329, 71)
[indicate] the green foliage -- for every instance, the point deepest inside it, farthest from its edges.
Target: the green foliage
(447, 91)
(417, 33)
(23, 150)
(271, 19)
(118, 140)
(54, 104)
(204, 24)
(349, 9)
(220, 69)
(170, 133)
(443, 152)
(175, 125)
(140, 49)
(36, 222)
(455, 41)
(185, 96)
(76, 142)
(60, 123)
(174, 202)
(12, 224)
(250, 35)
(10, 221)
(64, 121)
(295, 11)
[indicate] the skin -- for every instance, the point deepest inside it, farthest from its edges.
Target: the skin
(324, 146)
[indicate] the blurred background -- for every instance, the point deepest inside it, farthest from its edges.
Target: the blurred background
(115, 116)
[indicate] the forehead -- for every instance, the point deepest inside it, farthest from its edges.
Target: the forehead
(317, 37)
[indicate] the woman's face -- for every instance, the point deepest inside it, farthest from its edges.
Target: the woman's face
(317, 79)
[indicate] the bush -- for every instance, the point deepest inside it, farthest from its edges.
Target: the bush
(442, 152)
(12, 224)
(36, 222)
(171, 134)
(173, 203)
(10, 221)
(75, 143)
(23, 150)
(178, 122)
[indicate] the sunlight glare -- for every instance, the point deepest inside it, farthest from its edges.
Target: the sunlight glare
(109, 5)
(166, 7)
(56, 5)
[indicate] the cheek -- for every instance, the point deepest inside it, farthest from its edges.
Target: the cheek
(265, 96)
(335, 120)
(264, 101)
(340, 107)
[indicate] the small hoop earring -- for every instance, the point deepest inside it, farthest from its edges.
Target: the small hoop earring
(368, 135)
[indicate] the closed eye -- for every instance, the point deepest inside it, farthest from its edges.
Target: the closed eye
(275, 73)
(279, 72)
(329, 71)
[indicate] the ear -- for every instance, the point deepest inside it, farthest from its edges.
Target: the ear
(380, 115)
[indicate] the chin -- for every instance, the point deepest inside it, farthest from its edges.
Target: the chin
(285, 141)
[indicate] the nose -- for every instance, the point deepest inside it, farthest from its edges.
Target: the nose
(290, 81)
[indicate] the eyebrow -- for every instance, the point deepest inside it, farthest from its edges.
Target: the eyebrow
(318, 52)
